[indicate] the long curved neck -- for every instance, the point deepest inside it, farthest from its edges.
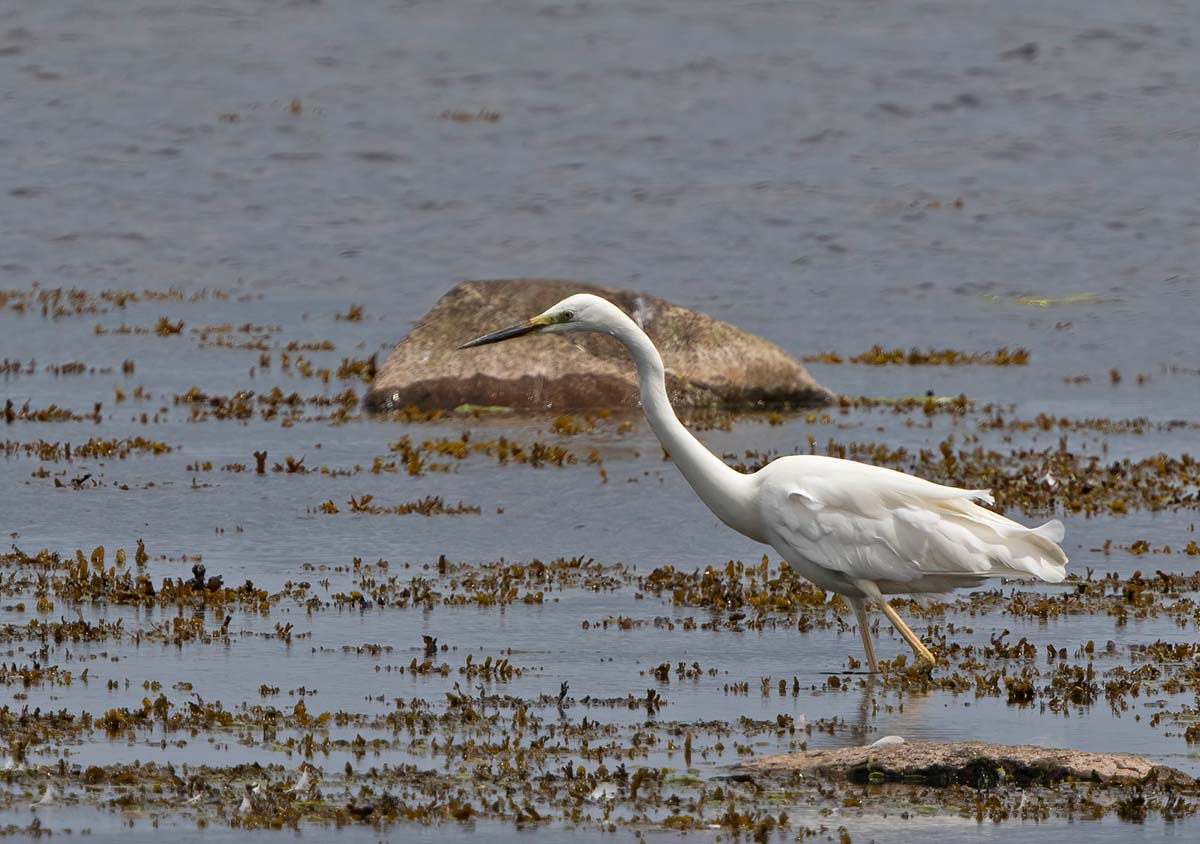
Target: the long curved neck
(727, 492)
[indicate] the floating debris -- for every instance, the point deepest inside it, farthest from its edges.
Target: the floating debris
(59, 302)
(430, 505)
(1055, 301)
(879, 356)
(484, 115)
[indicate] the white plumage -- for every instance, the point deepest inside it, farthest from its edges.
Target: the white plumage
(303, 784)
(49, 796)
(844, 522)
(859, 530)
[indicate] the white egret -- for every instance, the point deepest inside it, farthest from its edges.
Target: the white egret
(302, 785)
(12, 764)
(604, 792)
(48, 797)
(858, 530)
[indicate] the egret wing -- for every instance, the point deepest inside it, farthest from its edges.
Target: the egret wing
(870, 523)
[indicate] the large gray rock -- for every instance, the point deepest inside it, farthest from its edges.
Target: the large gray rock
(708, 362)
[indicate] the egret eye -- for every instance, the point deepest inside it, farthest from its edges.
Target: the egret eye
(567, 316)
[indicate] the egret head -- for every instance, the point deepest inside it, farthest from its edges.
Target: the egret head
(581, 312)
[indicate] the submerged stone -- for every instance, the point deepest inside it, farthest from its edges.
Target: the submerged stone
(709, 363)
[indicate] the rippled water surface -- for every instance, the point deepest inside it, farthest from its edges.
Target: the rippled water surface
(831, 176)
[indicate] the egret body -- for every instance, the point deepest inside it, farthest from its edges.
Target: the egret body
(861, 531)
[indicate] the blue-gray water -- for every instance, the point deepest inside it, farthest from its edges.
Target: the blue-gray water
(828, 175)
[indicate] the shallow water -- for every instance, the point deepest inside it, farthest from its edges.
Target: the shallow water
(937, 831)
(793, 169)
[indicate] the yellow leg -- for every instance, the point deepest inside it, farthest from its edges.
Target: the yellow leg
(864, 629)
(919, 649)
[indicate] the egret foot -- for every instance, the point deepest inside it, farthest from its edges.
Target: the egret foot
(864, 628)
(918, 647)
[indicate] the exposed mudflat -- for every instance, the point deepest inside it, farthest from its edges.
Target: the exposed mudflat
(981, 765)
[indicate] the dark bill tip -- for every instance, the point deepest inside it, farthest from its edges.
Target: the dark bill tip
(503, 334)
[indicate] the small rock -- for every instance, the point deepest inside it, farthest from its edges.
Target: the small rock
(1026, 52)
